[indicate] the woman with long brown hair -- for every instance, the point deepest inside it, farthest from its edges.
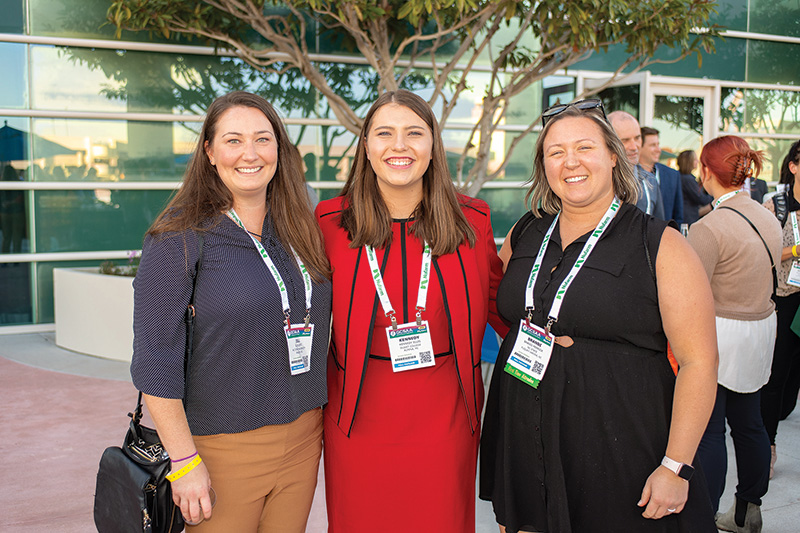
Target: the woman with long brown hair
(244, 425)
(414, 267)
(696, 202)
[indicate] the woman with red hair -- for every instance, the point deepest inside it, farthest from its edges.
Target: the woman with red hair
(738, 244)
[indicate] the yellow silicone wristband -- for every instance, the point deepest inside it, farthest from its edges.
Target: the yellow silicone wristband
(185, 470)
(794, 250)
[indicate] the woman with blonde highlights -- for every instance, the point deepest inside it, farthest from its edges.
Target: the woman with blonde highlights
(414, 272)
(588, 427)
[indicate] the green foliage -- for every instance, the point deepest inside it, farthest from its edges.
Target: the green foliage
(522, 40)
(112, 269)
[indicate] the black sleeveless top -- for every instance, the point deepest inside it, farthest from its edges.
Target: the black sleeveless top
(574, 454)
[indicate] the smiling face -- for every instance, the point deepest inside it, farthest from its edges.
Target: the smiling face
(244, 150)
(630, 134)
(651, 151)
(578, 164)
(399, 147)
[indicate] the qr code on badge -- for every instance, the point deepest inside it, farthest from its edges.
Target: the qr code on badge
(305, 361)
(538, 367)
(425, 357)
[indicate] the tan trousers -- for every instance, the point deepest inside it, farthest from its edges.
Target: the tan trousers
(265, 478)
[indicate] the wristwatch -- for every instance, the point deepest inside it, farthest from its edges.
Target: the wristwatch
(682, 470)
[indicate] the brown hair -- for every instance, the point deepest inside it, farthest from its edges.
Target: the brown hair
(203, 197)
(731, 160)
(438, 219)
(685, 161)
(647, 131)
(793, 156)
(542, 197)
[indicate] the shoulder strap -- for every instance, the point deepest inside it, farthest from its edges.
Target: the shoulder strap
(781, 209)
(771, 260)
(647, 249)
(189, 317)
(519, 231)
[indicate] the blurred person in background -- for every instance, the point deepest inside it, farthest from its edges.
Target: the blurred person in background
(696, 201)
(779, 395)
(669, 181)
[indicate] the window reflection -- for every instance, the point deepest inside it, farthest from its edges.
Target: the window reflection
(90, 220)
(13, 20)
(83, 19)
(508, 205)
(774, 152)
(759, 111)
(13, 90)
(15, 294)
(109, 150)
(771, 62)
(777, 17)
(680, 121)
(13, 215)
(327, 151)
(99, 80)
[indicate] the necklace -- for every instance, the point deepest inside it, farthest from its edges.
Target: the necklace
(253, 234)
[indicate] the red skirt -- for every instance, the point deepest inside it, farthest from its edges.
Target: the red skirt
(409, 463)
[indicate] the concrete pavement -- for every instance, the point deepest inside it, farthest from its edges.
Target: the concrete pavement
(62, 409)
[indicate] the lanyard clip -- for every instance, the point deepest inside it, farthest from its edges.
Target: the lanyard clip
(419, 316)
(550, 321)
(391, 316)
(308, 317)
(530, 315)
(286, 318)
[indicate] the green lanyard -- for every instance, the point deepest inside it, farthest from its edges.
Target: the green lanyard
(380, 286)
(277, 275)
(726, 196)
(555, 309)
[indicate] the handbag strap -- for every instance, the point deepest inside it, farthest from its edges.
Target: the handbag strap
(779, 202)
(771, 260)
(189, 320)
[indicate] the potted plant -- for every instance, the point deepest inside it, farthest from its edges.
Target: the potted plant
(94, 308)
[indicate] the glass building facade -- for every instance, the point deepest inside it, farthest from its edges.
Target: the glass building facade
(95, 132)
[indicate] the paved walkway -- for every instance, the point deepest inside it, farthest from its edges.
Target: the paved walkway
(62, 409)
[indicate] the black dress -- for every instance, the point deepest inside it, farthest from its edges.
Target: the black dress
(574, 454)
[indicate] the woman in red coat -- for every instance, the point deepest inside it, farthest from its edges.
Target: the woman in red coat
(415, 270)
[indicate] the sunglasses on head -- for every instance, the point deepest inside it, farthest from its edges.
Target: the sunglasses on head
(583, 105)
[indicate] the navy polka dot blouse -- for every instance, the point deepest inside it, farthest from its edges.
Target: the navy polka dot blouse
(239, 376)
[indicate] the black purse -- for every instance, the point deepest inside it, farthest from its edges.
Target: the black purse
(132, 492)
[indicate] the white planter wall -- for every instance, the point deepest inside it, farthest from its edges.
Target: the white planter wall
(94, 312)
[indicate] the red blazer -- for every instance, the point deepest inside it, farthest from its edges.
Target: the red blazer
(470, 277)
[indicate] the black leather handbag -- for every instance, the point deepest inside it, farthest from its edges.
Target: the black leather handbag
(132, 493)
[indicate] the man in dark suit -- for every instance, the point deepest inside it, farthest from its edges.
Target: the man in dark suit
(669, 180)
